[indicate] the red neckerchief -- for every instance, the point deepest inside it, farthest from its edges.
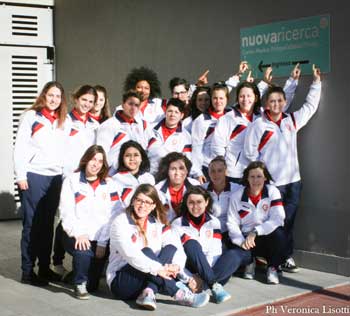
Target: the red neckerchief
(46, 113)
(94, 184)
(143, 106)
(215, 114)
(176, 196)
(79, 117)
(248, 116)
(166, 131)
(95, 117)
(125, 118)
(267, 112)
(255, 199)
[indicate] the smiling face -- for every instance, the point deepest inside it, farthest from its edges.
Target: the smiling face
(144, 88)
(142, 206)
(100, 103)
(132, 159)
(173, 116)
(217, 173)
(93, 167)
(275, 103)
(53, 99)
(202, 101)
(84, 103)
(131, 107)
(256, 180)
(177, 173)
(196, 204)
(219, 101)
(246, 100)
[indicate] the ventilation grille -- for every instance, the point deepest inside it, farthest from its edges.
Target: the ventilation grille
(24, 76)
(24, 25)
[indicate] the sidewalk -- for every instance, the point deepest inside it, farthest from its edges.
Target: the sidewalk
(17, 299)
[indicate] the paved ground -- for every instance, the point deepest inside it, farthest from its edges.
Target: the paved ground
(17, 299)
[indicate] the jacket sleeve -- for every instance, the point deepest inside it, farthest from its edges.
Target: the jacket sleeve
(215, 249)
(276, 213)
(197, 146)
(289, 89)
(170, 237)
(233, 222)
(24, 150)
(120, 238)
(304, 114)
(251, 142)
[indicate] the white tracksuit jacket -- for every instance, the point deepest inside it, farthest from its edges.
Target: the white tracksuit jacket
(179, 141)
(127, 183)
(244, 216)
(81, 137)
(221, 201)
(40, 146)
(126, 245)
(116, 131)
(208, 234)
(276, 145)
(85, 211)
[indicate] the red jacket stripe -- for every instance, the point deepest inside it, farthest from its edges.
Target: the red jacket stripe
(185, 238)
(78, 197)
(276, 202)
(114, 196)
(238, 129)
(35, 127)
(264, 139)
(117, 138)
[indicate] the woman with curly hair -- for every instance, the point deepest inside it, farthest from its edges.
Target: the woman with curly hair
(145, 81)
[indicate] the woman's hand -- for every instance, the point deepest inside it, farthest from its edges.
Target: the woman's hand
(203, 79)
(100, 252)
(195, 284)
(249, 242)
(317, 74)
(82, 243)
(202, 179)
(173, 269)
(296, 72)
(268, 76)
(243, 67)
(250, 78)
(164, 273)
(23, 185)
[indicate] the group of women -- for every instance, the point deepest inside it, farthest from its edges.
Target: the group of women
(180, 231)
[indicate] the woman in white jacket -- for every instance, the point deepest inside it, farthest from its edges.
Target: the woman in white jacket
(38, 159)
(88, 202)
(145, 255)
(255, 220)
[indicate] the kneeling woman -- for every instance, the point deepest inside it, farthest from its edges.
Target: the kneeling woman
(255, 220)
(145, 254)
(200, 234)
(88, 203)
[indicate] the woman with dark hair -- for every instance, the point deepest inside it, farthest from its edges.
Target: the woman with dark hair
(255, 220)
(124, 125)
(38, 158)
(82, 129)
(133, 170)
(145, 256)
(145, 81)
(200, 234)
(88, 202)
(199, 103)
(102, 110)
(173, 180)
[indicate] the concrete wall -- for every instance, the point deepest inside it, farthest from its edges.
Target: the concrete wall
(100, 41)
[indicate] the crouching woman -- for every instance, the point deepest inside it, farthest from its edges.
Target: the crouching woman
(145, 257)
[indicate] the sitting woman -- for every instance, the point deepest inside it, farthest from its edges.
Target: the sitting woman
(255, 220)
(88, 202)
(173, 181)
(200, 234)
(145, 255)
(133, 170)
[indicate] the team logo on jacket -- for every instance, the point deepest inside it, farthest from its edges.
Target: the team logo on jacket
(265, 207)
(209, 233)
(133, 238)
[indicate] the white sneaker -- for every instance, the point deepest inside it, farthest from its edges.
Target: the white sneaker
(147, 299)
(184, 296)
(272, 276)
(249, 271)
(81, 292)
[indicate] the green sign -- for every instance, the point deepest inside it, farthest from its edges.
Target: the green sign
(284, 44)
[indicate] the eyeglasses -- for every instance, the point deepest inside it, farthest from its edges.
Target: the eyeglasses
(140, 202)
(179, 93)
